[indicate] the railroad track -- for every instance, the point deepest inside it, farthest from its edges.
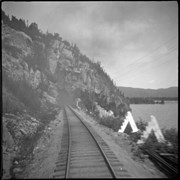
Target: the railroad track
(84, 154)
(170, 169)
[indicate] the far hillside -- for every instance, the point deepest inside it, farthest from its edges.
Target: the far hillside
(171, 92)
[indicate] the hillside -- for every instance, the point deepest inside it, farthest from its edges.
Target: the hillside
(41, 72)
(171, 92)
(51, 65)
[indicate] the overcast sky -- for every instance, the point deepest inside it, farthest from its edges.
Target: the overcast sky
(136, 42)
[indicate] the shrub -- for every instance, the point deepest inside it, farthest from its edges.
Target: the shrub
(141, 125)
(152, 144)
(66, 43)
(134, 137)
(113, 123)
(171, 135)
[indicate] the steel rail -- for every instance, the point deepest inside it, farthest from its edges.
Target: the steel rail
(101, 150)
(69, 147)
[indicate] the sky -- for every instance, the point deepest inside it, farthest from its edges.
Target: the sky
(136, 42)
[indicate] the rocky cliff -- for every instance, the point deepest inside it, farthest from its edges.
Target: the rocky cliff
(53, 67)
(40, 73)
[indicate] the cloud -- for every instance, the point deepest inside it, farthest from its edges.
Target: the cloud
(151, 81)
(99, 29)
(121, 35)
(136, 26)
(163, 50)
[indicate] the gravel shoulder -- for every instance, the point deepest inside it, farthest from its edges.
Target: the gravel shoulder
(122, 149)
(49, 145)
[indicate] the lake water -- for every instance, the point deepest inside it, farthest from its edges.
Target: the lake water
(166, 114)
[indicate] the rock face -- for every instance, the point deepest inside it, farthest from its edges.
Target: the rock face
(20, 125)
(41, 70)
(54, 65)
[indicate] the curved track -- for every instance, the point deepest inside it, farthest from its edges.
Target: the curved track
(84, 154)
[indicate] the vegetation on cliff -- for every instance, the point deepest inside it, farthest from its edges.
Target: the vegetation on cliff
(95, 77)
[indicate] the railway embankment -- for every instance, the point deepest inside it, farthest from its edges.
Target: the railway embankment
(48, 147)
(137, 166)
(21, 134)
(40, 162)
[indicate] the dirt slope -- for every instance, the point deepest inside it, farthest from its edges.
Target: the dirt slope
(46, 152)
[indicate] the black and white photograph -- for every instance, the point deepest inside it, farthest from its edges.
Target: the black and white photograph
(89, 89)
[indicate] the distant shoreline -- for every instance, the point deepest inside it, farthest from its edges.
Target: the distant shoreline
(164, 102)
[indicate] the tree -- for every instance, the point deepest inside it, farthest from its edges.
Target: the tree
(112, 107)
(14, 23)
(122, 109)
(22, 25)
(5, 18)
(56, 36)
(76, 51)
(66, 43)
(33, 30)
(47, 39)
